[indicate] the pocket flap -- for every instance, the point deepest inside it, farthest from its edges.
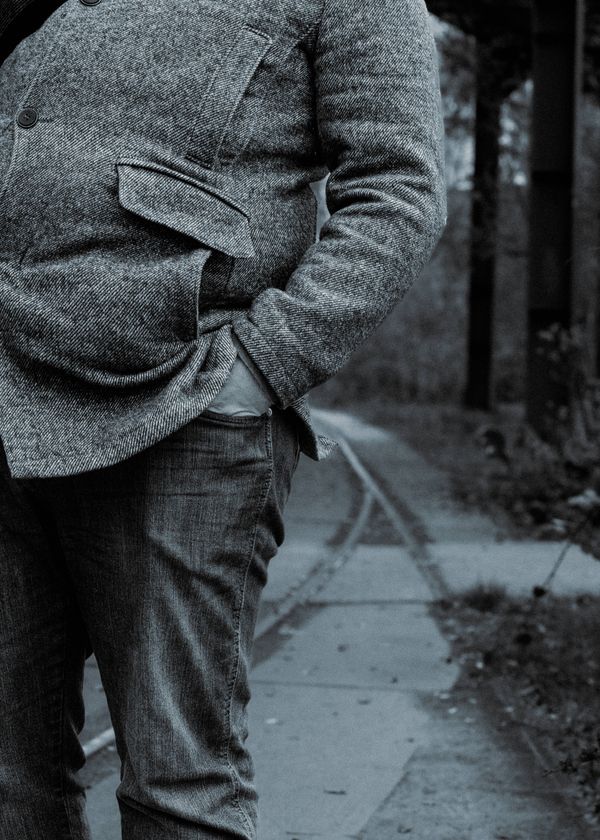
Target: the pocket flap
(184, 205)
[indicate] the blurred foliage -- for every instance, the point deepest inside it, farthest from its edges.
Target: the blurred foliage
(507, 42)
(507, 26)
(556, 488)
(592, 49)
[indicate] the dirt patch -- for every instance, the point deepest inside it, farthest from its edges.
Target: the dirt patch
(545, 652)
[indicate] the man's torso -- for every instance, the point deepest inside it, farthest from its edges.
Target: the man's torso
(154, 178)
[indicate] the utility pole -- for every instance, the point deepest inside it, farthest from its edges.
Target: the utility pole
(557, 60)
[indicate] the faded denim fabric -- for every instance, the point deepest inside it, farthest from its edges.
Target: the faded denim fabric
(159, 202)
(158, 562)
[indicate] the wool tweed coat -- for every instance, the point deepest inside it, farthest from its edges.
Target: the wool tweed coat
(155, 208)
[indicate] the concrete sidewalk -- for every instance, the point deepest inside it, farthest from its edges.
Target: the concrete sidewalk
(468, 548)
(357, 726)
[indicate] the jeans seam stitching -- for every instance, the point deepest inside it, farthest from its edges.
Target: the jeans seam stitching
(263, 500)
(61, 762)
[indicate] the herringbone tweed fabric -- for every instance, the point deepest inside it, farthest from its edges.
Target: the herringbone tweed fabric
(155, 170)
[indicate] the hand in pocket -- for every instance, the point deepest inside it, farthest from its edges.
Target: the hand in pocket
(241, 395)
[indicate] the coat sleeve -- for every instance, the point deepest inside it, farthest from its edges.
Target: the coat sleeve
(379, 117)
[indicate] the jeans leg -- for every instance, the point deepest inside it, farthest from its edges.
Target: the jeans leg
(42, 654)
(169, 553)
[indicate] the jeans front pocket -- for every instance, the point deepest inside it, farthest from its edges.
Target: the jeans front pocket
(234, 420)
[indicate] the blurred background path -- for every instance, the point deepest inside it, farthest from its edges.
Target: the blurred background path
(361, 723)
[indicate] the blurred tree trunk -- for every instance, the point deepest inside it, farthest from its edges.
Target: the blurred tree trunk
(500, 29)
(507, 24)
(484, 215)
(557, 50)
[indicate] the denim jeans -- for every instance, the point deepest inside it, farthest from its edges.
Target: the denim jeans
(157, 564)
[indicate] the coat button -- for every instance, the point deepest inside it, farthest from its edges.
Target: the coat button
(89, 2)
(27, 117)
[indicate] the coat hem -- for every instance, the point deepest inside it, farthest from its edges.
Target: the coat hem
(130, 443)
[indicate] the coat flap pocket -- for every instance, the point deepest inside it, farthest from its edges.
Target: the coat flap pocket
(185, 205)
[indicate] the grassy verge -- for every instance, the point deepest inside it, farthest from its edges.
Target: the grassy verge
(546, 651)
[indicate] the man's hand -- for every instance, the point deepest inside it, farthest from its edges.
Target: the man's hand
(241, 395)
